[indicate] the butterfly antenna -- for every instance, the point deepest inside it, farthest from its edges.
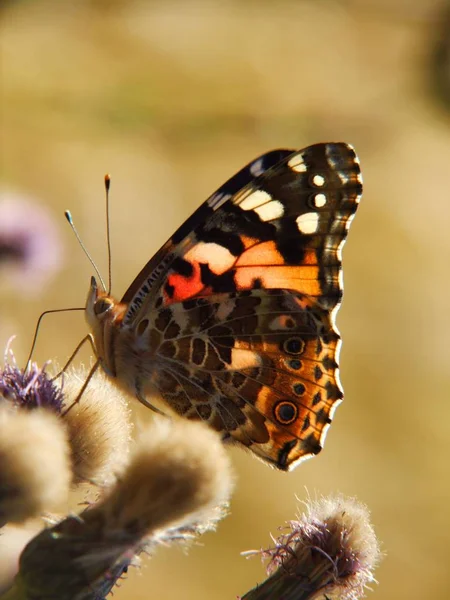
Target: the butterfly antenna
(108, 230)
(74, 229)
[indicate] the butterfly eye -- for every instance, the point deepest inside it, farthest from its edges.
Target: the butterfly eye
(293, 346)
(102, 305)
(285, 412)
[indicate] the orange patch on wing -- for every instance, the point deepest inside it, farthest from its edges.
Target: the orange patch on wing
(310, 258)
(217, 257)
(265, 403)
(248, 241)
(185, 287)
(265, 253)
(304, 279)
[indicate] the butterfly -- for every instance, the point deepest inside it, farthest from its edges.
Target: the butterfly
(232, 321)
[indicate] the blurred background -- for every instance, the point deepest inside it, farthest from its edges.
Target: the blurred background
(172, 98)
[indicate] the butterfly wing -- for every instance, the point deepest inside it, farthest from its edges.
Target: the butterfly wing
(239, 306)
(258, 366)
(141, 293)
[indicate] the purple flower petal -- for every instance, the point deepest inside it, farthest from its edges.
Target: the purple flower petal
(30, 246)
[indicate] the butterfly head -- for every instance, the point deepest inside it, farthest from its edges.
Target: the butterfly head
(98, 304)
(100, 310)
(103, 313)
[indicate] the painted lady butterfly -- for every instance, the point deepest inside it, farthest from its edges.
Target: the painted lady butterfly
(232, 320)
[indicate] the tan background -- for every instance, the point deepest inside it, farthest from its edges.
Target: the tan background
(174, 97)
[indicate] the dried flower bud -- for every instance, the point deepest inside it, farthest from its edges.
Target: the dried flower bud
(178, 473)
(98, 426)
(35, 469)
(330, 551)
(177, 478)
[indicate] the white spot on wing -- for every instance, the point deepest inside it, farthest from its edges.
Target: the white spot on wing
(255, 199)
(225, 309)
(320, 200)
(281, 323)
(344, 177)
(216, 256)
(318, 180)
(297, 164)
(180, 315)
(217, 200)
(271, 210)
(349, 221)
(339, 250)
(244, 359)
(308, 223)
(257, 167)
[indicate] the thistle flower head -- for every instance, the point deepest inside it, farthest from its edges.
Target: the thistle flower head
(31, 388)
(331, 550)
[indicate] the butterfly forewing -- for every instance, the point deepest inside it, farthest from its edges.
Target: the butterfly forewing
(153, 275)
(232, 321)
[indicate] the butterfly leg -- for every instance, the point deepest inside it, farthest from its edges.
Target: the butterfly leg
(146, 403)
(83, 387)
(88, 338)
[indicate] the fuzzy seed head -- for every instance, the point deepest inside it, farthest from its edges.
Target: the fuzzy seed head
(170, 490)
(35, 469)
(98, 427)
(178, 475)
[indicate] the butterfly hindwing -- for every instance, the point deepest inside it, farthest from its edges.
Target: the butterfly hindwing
(258, 366)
